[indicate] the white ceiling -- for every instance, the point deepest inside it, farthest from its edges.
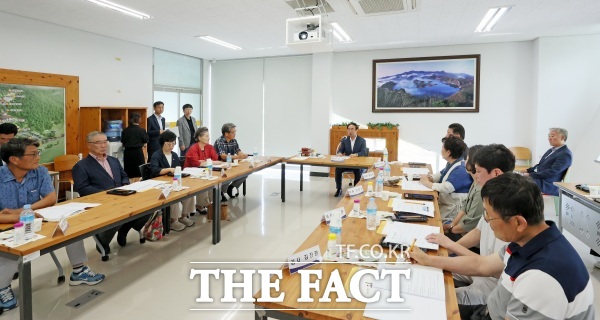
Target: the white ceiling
(258, 26)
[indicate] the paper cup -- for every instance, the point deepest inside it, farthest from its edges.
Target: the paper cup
(385, 195)
(235, 161)
(409, 176)
(37, 224)
(594, 191)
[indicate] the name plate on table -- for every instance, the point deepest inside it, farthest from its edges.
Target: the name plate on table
(379, 164)
(352, 192)
(338, 159)
(327, 215)
(368, 175)
(304, 259)
(62, 226)
(165, 193)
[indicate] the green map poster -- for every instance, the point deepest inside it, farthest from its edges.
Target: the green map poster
(39, 112)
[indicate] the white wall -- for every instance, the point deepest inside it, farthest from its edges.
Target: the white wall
(36, 46)
(505, 105)
(568, 97)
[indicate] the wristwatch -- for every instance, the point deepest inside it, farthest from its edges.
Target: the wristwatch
(450, 230)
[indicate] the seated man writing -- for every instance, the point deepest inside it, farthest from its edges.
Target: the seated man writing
(352, 146)
(541, 274)
(24, 181)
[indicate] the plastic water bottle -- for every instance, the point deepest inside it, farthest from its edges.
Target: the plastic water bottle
(335, 226)
(229, 160)
(255, 154)
(371, 215)
(385, 155)
(379, 184)
(209, 166)
(387, 171)
(27, 217)
(177, 175)
(332, 246)
(175, 184)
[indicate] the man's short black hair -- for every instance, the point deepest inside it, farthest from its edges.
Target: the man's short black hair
(166, 136)
(352, 124)
(226, 128)
(8, 128)
(157, 103)
(187, 105)
(457, 128)
(495, 156)
(511, 194)
(455, 145)
(16, 147)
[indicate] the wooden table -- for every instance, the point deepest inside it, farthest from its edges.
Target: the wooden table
(579, 214)
(113, 211)
(352, 163)
(353, 232)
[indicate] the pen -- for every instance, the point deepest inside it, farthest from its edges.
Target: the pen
(412, 246)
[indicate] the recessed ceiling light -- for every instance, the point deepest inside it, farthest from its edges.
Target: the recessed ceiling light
(491, 18)
(219, 42)
(120, 8)
(339, 33)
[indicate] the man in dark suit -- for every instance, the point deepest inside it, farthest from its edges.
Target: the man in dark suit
(98, 172)
(352, 146)
(156, 126)
(554, 163)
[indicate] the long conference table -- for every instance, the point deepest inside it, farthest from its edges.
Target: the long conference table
(354, 233)
(113, 211)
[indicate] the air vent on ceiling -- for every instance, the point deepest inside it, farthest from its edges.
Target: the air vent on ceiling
(375, 7)
(310, 7)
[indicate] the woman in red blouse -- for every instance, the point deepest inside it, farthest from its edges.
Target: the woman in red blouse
(201, 150)
(196, 154)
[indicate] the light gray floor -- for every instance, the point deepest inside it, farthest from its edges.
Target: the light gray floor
(151, 281)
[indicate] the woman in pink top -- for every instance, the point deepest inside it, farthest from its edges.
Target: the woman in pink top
(196, 154)
(201, 150)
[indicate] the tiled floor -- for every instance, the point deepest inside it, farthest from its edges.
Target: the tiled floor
(152, 281)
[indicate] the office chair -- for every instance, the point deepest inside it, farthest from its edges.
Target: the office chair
(62, 164)
(522, 154)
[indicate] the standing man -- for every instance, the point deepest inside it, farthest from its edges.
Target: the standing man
(24, 181)
(98, 172)
(156, 126)
(352, 146)
(541, 274)
(187, 128)
(7, 132)
(554, 164)
(457, 130)
(227, 144)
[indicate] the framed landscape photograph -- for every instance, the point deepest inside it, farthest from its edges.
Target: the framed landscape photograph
(427, 84)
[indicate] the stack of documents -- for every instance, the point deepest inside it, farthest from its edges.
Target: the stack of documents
(405, 233)
(142, 186)
(415, 171)
(55, 213)
(414, 186)
(407, 206)
(423, 294)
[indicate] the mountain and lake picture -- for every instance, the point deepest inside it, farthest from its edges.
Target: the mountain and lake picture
(432, 84)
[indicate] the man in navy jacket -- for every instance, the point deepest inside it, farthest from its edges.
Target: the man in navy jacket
(554, 164)
(99, 172)
(352, 146)
(155, 126)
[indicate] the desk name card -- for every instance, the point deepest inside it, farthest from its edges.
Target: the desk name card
(329, 214)
(165, 193)
(304, 259)
(353, 192)
(61, 226)
(368, 175)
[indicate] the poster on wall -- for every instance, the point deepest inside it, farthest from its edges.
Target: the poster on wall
(427, 84)
(39, 112)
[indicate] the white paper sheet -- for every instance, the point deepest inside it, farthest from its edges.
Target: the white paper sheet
(419, 207)
(54, 213)
(414, 171)
(142, 186)
(405, 233)
(413, 186)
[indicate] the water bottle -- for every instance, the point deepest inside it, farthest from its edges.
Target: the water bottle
(209, 166)
(175, 184)
(335, 226)
(332, 246)
(371, 215)
(387, 171)
(27, 217)
(379, 184)
(177, 175)
(228, 160)
(385, 155)
(255, 154)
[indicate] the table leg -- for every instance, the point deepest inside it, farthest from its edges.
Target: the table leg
(301, 180)
(244, 188)
(25, 295)
(216, 225)
(282, 182)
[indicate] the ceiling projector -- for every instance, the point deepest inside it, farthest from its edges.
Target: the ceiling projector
(306, 35)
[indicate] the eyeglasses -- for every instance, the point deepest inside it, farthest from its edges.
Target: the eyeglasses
(171, 143)
(35, 154)
(485, 217)
(99, 142)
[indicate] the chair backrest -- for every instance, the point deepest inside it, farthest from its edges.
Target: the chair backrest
(65, 162)
(564, 176)
(145, 171)
(522, 153)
